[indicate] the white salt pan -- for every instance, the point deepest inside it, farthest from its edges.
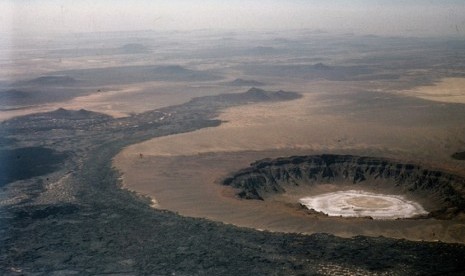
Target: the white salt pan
(354, 203)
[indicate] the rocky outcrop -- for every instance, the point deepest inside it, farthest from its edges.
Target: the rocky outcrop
(267, 177)
(459, 155)
(253, 95)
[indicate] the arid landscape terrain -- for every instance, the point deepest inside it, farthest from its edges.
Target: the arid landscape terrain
(183, 172)
(191, 153)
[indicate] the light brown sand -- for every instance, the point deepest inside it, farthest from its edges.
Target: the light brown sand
(122, 100)
(299, 125)
(448, 90)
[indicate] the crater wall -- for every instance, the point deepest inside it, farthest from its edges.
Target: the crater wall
(442, 191)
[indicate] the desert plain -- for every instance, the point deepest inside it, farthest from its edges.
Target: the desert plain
(117, 150)
(183, 172)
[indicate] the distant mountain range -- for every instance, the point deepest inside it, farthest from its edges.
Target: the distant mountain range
(252, 95)
(135, 74)
(243, 82)
(308, 71)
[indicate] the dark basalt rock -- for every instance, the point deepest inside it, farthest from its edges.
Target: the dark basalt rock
(24, 163)
(459, 155)
(252, 95)
(267, 177)
(51, 211)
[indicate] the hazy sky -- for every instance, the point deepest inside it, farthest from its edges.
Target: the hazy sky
(394, 17)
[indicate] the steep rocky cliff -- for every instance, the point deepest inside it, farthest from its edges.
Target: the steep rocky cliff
(267, 177)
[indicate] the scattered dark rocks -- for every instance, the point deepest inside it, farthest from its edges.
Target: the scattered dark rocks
(42, 212)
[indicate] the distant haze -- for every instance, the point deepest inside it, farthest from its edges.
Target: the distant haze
(406, 18)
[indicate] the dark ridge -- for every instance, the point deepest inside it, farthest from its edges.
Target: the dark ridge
(80, 114)
(134, 48)
(459, 155)
(59, 119)
(275, 176)
(135, 74)
(29, 94)
(62, 113)
(252, 95)
(24, 163)
(49, 80)
(13, 97)
(262, 95)
(321, 66)
(13, 94)
(243, 82)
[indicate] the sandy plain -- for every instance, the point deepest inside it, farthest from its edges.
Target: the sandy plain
(124, 100)
(182, 173)
(448, 90)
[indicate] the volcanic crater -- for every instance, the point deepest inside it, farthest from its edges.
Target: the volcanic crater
(353, 186)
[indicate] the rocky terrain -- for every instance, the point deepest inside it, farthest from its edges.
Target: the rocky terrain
(76, 219)
(267, 177)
